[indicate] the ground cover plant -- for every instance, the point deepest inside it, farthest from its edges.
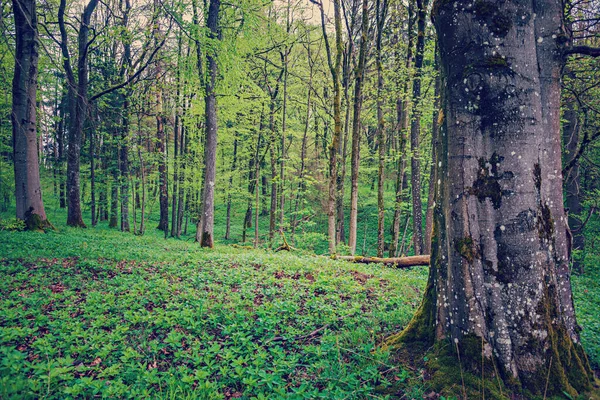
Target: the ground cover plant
(103, 313)
(110, 314)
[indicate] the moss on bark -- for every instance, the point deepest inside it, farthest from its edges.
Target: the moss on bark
(35, 223)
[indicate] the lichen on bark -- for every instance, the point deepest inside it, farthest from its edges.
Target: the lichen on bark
(497, 310)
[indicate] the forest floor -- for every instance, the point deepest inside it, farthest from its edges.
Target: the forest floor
(96, 312)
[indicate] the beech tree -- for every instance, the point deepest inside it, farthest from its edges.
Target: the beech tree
(206, 223)
(28, 192)
(499, 285)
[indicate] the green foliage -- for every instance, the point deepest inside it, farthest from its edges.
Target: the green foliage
(12, 224)
(101, 313)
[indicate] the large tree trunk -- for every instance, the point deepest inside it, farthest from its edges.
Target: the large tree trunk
(356, 125)
(28, 192)
(499, 284)
(204, 234)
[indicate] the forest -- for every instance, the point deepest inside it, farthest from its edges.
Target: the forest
(331, 199)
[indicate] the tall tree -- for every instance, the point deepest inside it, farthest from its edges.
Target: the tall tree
(204, 234)
(381, 13)
(499, 286)
(433, 170)
(359, 76)
(334, 61)
(415, 130)
(28, 192)
(402, 111)
(78, 104)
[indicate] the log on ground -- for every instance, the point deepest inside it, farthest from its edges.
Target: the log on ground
(398, 262)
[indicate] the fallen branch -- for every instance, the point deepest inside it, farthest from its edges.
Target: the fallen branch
(398, 262)
(285, 246)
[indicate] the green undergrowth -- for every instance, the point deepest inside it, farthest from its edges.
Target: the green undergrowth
(586, 294)
(99, 313)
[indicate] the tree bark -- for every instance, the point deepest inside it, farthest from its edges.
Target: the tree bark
(176, 145)
(204, 234)
(126, 71)
(78, 104)
(381, 10)
(571, 130)
(402, 111)
(415, 130)
(28, 192)
(273, 161)
(433, 171)
(356, 125)
(161, 151)
(124, 164)
(499, 286)
(93, 176)
(233, 170)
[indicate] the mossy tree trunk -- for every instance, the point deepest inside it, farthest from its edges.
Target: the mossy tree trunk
(499, 286)
(28, 192)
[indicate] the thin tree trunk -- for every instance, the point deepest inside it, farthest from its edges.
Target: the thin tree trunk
(124, 165)
(381, 9)
(273, 159)
(301, 183)
(176, 145)
(287, 50)
(415, 130)
(356, 127)
(233, 170)
(434, 160)
(60, 138)
(204, 233)
(114, 196)
(256, 198)
(93, 176)
(571, 131)
(143, 175)
(161, 150)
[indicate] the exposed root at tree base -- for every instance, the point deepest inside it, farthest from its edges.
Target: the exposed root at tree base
(34, 223)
